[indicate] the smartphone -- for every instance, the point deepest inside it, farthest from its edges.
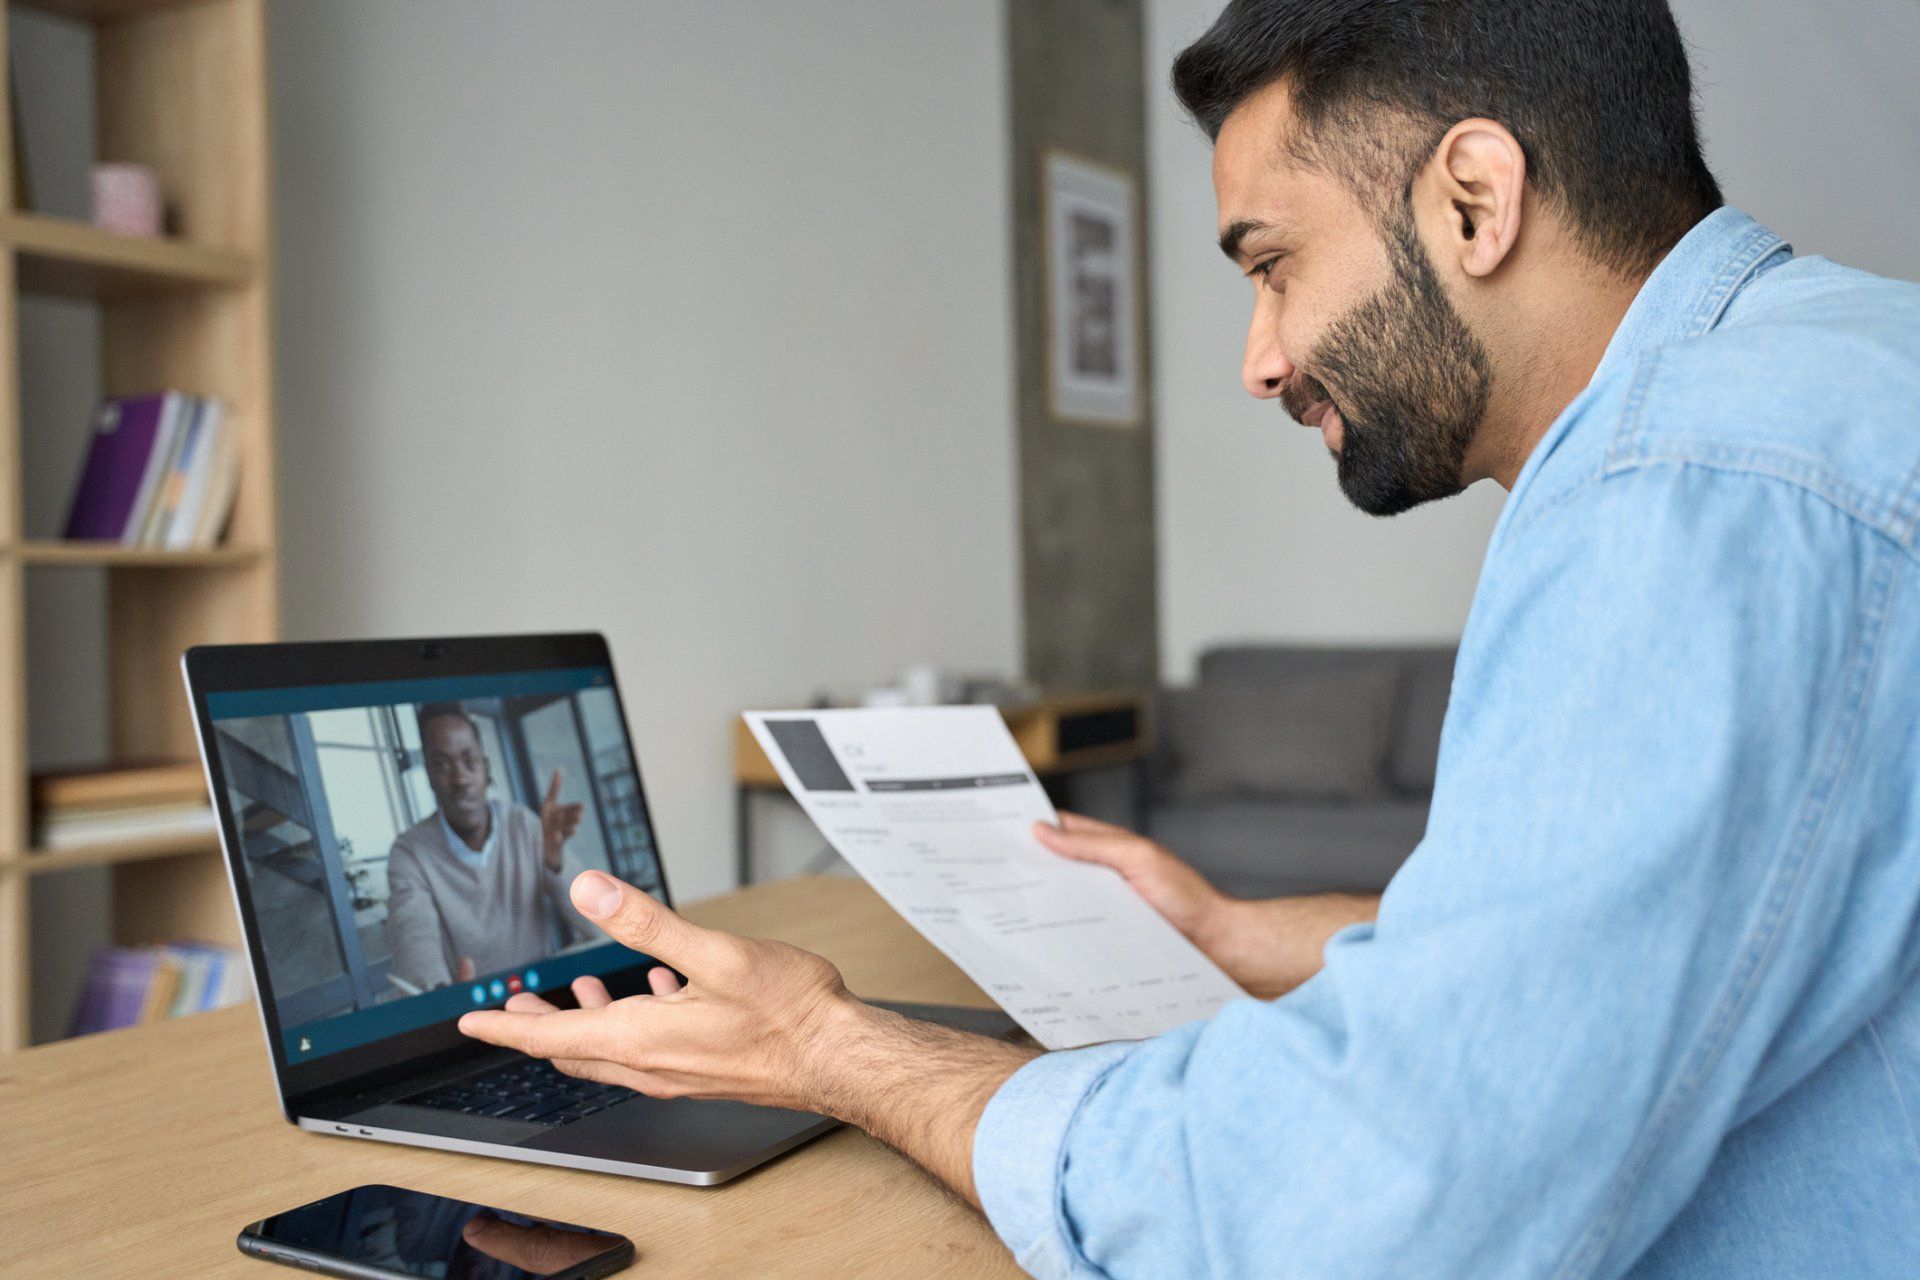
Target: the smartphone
(390, 1233)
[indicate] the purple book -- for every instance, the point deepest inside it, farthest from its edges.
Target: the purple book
(115, 990)
(124, 434)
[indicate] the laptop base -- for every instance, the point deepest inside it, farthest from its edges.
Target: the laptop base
(693, 1142)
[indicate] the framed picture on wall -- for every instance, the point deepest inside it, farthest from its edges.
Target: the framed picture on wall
(1093, 356)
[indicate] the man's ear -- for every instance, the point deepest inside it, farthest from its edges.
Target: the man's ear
(1468, 196)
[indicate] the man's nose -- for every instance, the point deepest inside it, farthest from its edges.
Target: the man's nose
(1266, 368)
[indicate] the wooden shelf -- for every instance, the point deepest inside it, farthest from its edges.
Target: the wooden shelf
(71, 259)
(111, 555)
(109, 852)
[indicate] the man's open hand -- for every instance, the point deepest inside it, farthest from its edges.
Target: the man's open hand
(751, 1023)
(558, 822)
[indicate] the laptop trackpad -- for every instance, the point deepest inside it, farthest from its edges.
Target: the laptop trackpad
(680, 1133)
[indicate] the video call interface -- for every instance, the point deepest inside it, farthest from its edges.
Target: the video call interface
(408, 845)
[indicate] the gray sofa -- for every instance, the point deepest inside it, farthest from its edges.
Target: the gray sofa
(1298, 770)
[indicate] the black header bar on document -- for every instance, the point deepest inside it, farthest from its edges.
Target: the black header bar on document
(947, 784)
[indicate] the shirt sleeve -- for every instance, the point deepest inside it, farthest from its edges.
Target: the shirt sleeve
(1603, 955)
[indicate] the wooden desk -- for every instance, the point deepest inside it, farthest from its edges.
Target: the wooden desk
(143, 1152)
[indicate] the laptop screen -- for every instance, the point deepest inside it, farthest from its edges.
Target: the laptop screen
(407, 845)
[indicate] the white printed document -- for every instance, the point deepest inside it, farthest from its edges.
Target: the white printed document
(935, 806)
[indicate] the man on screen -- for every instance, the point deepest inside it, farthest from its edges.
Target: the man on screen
(480, 885)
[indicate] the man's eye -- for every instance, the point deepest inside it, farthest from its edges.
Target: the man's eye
(1262, 272)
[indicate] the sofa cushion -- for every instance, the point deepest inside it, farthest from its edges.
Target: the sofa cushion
(1271, 664)
(1319, 735)
(1263, 848)
(1426, 683)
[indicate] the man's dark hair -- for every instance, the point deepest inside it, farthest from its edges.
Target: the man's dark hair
(1596, 91)
(431, 711)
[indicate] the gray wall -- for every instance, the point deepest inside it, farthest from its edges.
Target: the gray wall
(689, 323)
(1811, 114)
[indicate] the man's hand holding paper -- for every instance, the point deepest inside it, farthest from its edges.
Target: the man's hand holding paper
(937, 808)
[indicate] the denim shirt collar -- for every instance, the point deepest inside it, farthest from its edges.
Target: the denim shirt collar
(1689, 291)
(1684, 297)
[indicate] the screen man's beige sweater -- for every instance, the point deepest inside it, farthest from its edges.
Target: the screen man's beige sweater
(506, 913)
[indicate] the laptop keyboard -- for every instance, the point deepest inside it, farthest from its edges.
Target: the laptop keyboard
(533, 1090)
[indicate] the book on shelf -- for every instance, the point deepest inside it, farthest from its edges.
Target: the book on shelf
(172, 480)
(190, 478)
(175, 419)
(161, 471)
(124, 434)
(127, 986)
(163, 984)
(85, 806)
(137, 822)
(114, 991)
(110, 785)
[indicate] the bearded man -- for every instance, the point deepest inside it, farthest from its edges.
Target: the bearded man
(1646, 999)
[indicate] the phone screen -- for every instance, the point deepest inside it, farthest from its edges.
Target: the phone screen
(410, 1233)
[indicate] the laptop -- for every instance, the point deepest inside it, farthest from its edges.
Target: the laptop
(380, 807)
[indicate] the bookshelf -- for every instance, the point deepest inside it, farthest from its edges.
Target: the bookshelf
(181, 87)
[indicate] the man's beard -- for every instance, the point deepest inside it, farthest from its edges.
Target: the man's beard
(1413, 385)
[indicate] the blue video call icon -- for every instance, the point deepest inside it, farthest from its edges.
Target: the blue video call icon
(479, 994)
(499, 989)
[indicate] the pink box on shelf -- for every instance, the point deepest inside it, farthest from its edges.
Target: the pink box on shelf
(126, 199)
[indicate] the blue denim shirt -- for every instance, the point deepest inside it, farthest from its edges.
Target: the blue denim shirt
(1646, 999)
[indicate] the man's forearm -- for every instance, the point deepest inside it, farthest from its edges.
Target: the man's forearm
(1273, 945)
(917, 1087)
(922, 1088)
